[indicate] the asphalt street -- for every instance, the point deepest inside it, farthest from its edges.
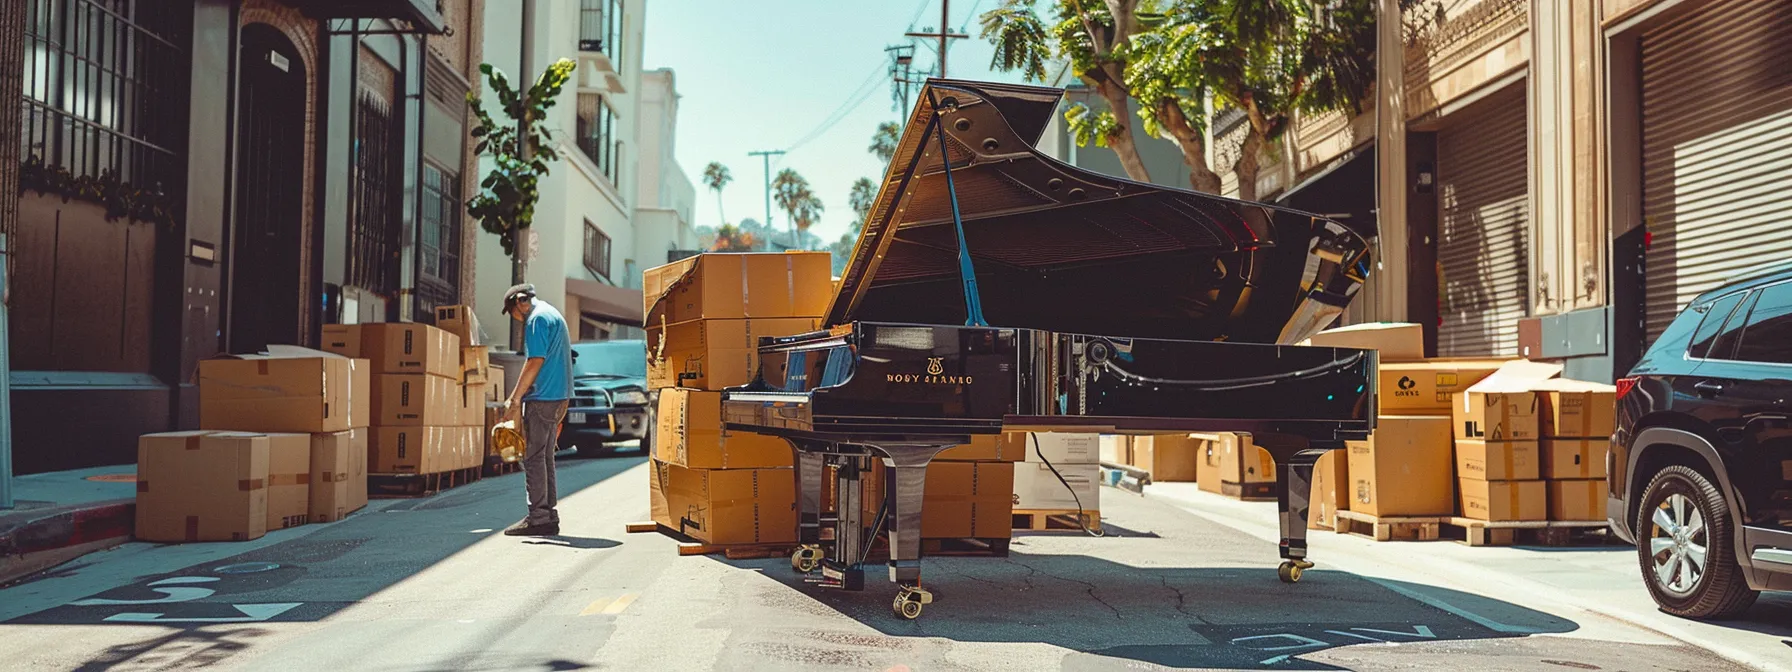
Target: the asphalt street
(429, 584)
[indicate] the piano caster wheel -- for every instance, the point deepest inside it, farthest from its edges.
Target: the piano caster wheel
(909, 600)
(806, 558)
(1290, 570)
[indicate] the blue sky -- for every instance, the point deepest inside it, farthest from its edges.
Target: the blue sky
(766, 74)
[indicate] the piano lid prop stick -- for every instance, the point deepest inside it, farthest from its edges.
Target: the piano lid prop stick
(973, 300)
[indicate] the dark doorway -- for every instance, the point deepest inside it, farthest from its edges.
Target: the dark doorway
(265, 277)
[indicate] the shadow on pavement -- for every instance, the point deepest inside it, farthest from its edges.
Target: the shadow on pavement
(192, 648)
(1228, 617)
(573, 542)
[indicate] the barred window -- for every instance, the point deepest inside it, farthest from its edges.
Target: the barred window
(597, 251)
(600, 28)
(597, 134)
(439, 240)
(374, 265)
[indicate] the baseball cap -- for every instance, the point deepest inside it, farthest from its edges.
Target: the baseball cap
(517, 294)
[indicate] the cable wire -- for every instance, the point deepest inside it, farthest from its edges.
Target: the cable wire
(1082, 515)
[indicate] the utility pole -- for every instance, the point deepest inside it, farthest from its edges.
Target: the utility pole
(944, 34)
(902, 56)
(519, 268)
(768, 154)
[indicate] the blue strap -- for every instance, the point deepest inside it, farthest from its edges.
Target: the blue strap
(973, 300)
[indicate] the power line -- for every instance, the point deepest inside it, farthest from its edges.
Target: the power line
(852, 102)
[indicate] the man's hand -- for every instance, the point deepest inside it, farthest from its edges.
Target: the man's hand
(513, 411)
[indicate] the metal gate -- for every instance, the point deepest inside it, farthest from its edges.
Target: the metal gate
(1717, 149)
(1483, 222)
(265, 276)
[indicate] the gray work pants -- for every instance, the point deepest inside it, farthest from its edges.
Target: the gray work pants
(541, 422)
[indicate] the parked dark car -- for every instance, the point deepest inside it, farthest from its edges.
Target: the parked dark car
(609, 396)
(1700, 471)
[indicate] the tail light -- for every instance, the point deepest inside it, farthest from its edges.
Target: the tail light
(1625, 385)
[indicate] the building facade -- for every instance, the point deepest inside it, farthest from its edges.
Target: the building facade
(617, 202)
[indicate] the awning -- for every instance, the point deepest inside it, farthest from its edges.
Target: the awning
(619, 305)
(422, 14)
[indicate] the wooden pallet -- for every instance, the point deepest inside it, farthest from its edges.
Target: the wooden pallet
(405, 486)
(1522, 533)
(1388, 528)
(997, 548)
(1250, 492)
(688, 545)
(1056, 520)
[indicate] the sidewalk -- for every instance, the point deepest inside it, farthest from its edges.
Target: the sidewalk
(60, 516)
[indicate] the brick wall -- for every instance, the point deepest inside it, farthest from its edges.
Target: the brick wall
(303, 34)
(12, 72)
(468, 20)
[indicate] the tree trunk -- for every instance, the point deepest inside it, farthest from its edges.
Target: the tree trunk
(1121, 140)
(720, 212)
(1248, 166)
(1193, 145)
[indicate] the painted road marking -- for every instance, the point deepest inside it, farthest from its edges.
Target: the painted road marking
(251, 613)
(609, 606)
(1485, 622)
(171, 589)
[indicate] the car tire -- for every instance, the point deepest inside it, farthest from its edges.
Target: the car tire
(1719, 590)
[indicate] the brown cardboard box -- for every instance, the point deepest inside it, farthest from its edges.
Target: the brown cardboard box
(476, 364)
(1057, 447)
(460, 321)
(202, 486)
(732, 506)
(1037, 488)
(289, 390)
(359, 438)
(1403, 469)
(1577, 500)
(689, 434)
(735, 286)
(1330, 494)
(713, 354)
(408, 347)
(1243, 462)
(1117, 449)
(967, 500)
(1502, 407)
(1207, 472)
(289, 480)
(1394, 341)
(1004, 447)
(1497, 460)
(1169, 457)
(409, 450)
(1425, 388)
(1573, 458)
(470, 404)
(1577, 409)
(495, 391)
(409, 400)
(332, 464)
(343, 339)
(1503, 500)
(659, 510)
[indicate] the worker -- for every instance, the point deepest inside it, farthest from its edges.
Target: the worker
(539, 401)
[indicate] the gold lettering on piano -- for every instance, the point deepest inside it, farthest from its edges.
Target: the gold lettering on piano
(935, 375)
(934, 366)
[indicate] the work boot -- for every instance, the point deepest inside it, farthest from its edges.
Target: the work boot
(524, 529)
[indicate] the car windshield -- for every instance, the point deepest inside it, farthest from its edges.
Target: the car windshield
(610, 359)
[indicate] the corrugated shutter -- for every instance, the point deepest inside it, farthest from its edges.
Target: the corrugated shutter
(1717, 148)
(1483, 222)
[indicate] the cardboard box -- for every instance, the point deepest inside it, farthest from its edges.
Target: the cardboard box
(1207, 472)
(1330, 493)
(1394, 341)
(289, 480)
(1564, 459)
(1058, 447)
(1503, 500)
(476, 364)
(1244, 462)
(288, 389)
(409, 450)
(470, 404)
(1404, 469)
(411, 400)
(359, 440)
(408, 347)
(1577, 500)
(495, 392)
(689, 434)
(1497, 460)
(332, 468)
(1426, 388)
(1116, 449)
(659, 509)
(966, 500)
(343, 339)
(1169, 457)
(1576, 409)
(460, 321)
(737, 286)
(1037, 488)
(1004, 447)
(713, 354)
(732, 506)
(202, 486)
(1502, 407)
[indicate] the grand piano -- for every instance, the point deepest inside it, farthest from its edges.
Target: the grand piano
(996, 289)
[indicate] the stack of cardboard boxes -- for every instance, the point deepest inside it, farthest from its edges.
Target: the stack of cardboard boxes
(1074, 457)
(429, 394)
(284, 443)
(1167, 457)
(705, 315)
(1577, 420)
(970, 490)
(1232, 465)
(1496, 428)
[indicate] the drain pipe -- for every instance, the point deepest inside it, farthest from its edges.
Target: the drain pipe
(5, 383)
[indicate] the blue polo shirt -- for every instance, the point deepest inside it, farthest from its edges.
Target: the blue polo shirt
(544, 336)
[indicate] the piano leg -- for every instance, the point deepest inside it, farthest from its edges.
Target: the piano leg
(844, 567)
(1294, 488)
(904, 488)
(809, 474)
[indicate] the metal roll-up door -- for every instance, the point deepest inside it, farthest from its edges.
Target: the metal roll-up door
(1483, 219)
(1717, 148)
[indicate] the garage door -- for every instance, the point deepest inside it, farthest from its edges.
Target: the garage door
(1483, 218)
(1717, 148)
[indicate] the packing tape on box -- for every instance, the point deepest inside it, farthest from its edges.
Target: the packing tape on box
(1511, 462)
(1515, 500)
(251, 484)
(1594, 505)
(289, 479)
(790, 279)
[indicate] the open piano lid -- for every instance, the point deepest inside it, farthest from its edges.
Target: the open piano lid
(1060, 248)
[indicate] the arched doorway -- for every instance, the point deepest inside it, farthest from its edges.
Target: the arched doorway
(265, 276)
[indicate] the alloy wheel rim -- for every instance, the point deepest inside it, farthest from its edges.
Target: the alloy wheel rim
(1678, 542)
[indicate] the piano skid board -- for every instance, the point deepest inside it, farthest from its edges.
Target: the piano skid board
(690, 546)
(1053, 520)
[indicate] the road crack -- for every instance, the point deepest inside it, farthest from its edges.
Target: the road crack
(1182, 601)
(1088, 587)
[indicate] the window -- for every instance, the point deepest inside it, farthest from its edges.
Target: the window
(597, 251)
(1768, 336)
(597, 133)
(1715, 314)
(374, 263)
(439, 239)
(600, 28)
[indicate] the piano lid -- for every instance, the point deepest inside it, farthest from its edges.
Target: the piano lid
(1060, 248)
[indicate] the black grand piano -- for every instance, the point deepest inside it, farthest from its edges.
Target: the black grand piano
(1000, 289)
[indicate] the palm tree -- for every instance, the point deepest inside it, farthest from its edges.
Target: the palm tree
(791, 191)
(716, 176)
(883, 141)
(863, 196)
(806, 213)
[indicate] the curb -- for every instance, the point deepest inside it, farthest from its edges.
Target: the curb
(25, 540)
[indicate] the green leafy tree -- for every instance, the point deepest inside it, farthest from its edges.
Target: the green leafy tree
(840, 252)
(862, 197)
(884, 140)
(520, 149)
(716, 176)
(791, 193)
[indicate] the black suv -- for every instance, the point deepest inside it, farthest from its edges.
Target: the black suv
(1700, 471)
(609, 401)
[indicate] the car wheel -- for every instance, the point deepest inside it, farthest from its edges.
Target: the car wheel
(1685, 546)
(590, 449)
